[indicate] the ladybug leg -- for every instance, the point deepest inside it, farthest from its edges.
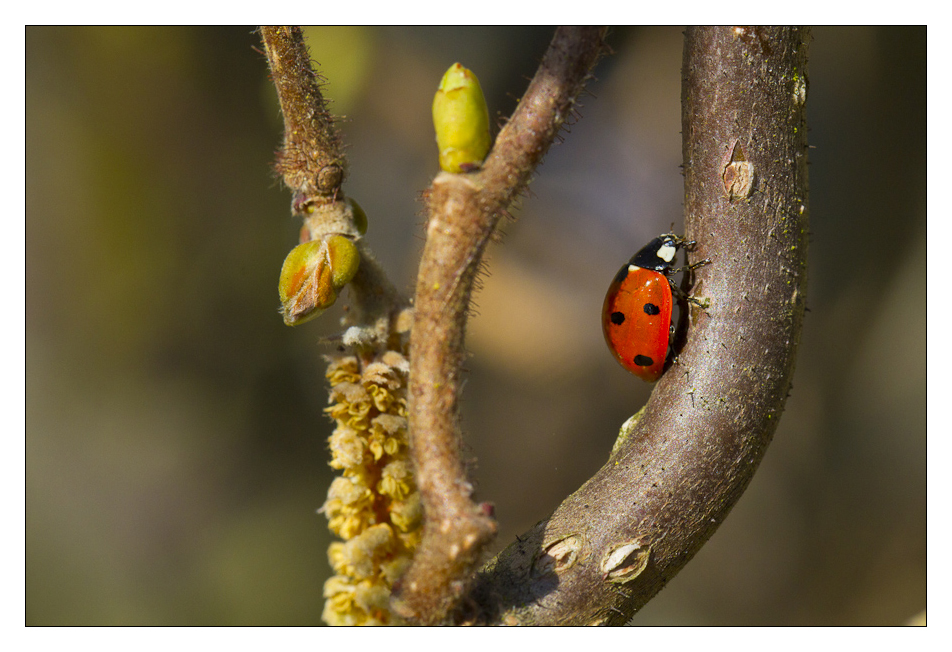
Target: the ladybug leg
(700, 303)
(681, 294)
(692, 266)
(684, 296)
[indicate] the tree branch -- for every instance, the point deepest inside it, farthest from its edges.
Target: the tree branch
(312, 159)
(679, 468)
(463, 211)
(313, 166)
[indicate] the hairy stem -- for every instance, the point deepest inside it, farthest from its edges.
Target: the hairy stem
(463, 210)
(312, 160)
(313, 166)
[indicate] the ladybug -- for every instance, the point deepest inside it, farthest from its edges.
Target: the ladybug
(636, 315)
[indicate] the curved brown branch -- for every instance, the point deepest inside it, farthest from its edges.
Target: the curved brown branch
(676, 472)
(463, 212)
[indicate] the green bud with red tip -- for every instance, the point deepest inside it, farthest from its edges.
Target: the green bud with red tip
(312, 275)
(461, 120)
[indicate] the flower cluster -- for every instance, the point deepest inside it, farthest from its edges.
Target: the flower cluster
(374, 506)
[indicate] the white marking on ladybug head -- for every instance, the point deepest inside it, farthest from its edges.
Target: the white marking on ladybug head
(667, 251)
(633, 268)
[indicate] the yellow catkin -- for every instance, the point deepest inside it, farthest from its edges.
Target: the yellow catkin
(374, 505)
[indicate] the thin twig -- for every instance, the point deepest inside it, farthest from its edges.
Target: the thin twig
(312, 164)
(463, 212)
(312, 159)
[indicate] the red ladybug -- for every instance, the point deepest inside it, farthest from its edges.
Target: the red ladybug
(636, 315)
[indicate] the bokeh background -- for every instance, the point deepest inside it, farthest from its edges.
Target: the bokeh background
(175, 440)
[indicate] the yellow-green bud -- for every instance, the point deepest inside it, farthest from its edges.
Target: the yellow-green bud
(344, 259)
(360, 217)
(461, 119)
(312, 275)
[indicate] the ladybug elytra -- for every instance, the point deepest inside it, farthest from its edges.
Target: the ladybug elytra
(636, 315)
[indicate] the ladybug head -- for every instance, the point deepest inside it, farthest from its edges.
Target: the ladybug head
(658, 255)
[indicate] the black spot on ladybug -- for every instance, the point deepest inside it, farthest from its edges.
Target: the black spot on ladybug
(618, 318)
(643, 361)
(652, 309)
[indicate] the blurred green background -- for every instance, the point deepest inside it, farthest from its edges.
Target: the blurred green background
(175, 441)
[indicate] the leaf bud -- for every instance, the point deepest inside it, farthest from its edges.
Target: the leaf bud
(461, 120)
(312, 275)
